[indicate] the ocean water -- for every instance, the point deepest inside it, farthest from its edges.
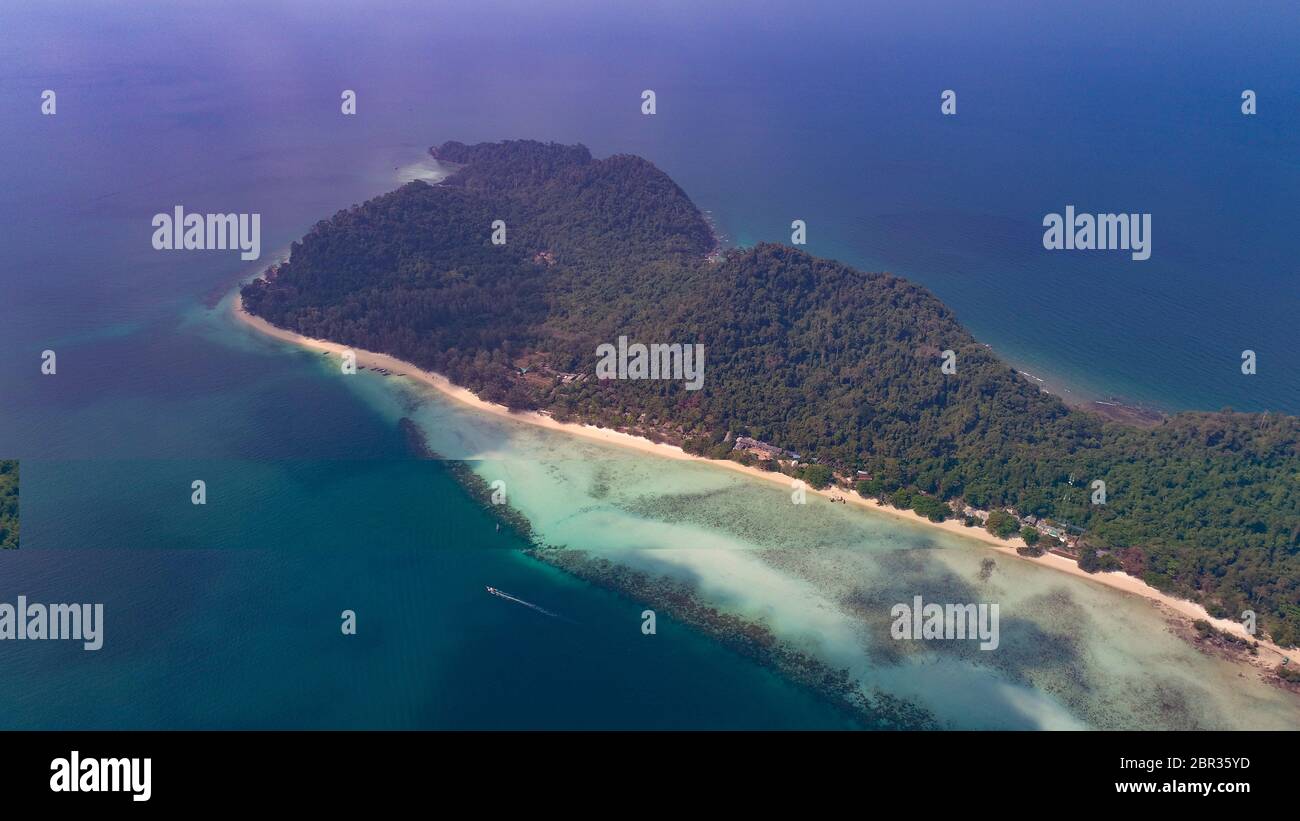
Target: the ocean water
(227, 615)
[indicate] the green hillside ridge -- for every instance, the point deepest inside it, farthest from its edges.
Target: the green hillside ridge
(811, 355)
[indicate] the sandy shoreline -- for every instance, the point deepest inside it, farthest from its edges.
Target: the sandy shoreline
(1117, 580)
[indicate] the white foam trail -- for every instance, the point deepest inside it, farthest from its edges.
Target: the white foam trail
(529, 605)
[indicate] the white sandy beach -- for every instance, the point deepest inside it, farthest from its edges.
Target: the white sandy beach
(1172, 606)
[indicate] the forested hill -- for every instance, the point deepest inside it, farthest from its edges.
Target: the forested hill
(808, 354)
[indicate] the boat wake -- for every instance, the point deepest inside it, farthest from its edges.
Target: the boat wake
(501, 595)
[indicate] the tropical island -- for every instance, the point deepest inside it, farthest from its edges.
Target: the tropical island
(815, 370)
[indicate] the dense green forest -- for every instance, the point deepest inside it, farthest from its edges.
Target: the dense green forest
(838, 365)
(8, 503)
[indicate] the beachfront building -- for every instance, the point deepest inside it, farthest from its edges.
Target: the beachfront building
(762, 450)
(1049, 530)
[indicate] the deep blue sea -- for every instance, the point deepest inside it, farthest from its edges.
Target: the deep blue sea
(227, 614)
